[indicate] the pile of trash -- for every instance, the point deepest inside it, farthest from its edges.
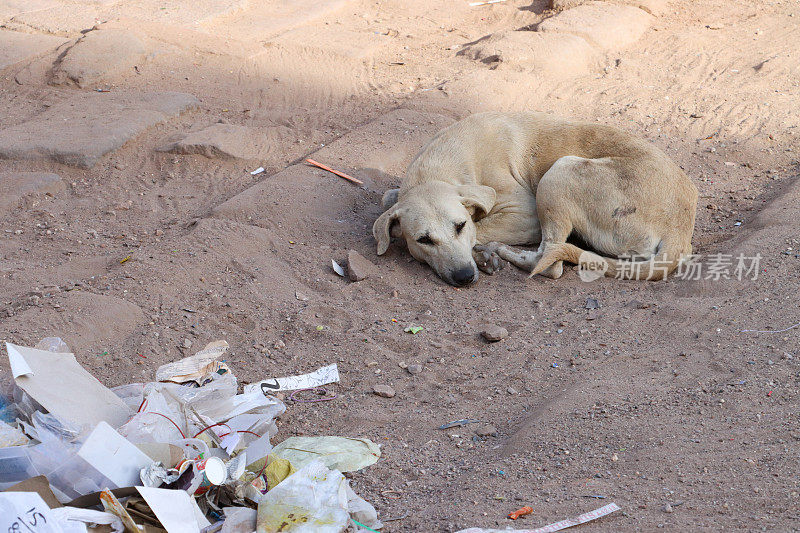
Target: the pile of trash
(186, 453)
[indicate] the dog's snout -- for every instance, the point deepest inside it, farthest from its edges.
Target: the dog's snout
(464, 276)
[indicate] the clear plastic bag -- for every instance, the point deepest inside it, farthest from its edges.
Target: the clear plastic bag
(132, 394)
(212, 413)
(53, 344)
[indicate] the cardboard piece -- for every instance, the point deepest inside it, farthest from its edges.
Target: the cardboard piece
(40, 486)
(175, 509)
(112, 505)
(160, 452)
(62, 386)
(114, 456)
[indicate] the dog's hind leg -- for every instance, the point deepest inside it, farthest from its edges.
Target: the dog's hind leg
(559, 209)
(509, 227)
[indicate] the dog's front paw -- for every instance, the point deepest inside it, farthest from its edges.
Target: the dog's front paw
(486, 257)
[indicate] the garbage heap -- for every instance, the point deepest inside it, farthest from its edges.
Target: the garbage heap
(184, 453)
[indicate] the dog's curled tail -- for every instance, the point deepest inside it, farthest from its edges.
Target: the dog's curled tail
(656, 268)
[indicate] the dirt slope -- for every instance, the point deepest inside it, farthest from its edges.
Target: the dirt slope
(655, 398)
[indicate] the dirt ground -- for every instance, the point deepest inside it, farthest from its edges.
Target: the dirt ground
(155, 238)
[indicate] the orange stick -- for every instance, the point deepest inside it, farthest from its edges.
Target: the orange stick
(340, 174)
(520, 512)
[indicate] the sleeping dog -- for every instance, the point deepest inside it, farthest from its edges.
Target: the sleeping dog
(498, 179)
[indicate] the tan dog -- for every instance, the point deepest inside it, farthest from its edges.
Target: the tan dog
(496, 179)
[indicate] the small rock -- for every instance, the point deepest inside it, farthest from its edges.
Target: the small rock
(187, 343)
(615, 458)
(358, 267)
(414, 369)
(486, 430)
(493, 333)
(384, 391)
(592, 303)
(279, 345)
(667, 508)
(511, 390)
(402, 364)
(300, 296)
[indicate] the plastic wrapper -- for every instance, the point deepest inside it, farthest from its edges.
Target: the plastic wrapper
(132, 394)
(70, 518)
(45, 427)
(312, 500)
(53, 344)
(239, 520)
(361, 510)
(11, 436)
(213, 413)
(340, 453)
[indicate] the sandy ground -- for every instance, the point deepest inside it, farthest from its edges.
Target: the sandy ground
(656, 401)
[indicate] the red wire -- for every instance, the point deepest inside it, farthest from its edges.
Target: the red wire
(211, 426)
(168, 418)
(199, 432)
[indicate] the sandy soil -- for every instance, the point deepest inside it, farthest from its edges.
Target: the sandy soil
(656, 401)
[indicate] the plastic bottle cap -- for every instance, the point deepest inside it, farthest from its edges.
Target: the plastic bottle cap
(215, 471)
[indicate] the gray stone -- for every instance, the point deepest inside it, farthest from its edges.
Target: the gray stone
(607, 26)
(98, 57)
(486, 430)
(219, 141)
(494, 333)
(414, 369)
(384, 391)
(358, 266)
(16, 47)
(82, 130)
(14, 186)
(592, 303)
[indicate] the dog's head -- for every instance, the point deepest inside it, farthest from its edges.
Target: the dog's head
(436, 219)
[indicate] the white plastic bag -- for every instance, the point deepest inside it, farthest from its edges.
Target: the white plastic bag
(312, 500)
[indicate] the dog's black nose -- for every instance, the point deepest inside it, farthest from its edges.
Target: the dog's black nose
(463, 276)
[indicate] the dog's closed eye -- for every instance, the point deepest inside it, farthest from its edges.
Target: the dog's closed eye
(425, 239)
(460, 227)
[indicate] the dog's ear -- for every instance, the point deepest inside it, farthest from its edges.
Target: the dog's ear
(386, 227)
(390, 198)
(477, 198)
